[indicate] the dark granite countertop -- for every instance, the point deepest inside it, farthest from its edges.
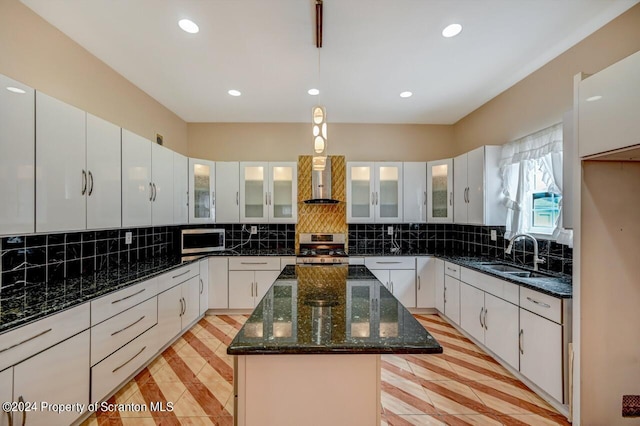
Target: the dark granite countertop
(254, 252)
(335, 309)
(39, 300)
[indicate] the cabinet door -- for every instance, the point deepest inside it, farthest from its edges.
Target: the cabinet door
(460, 189)
(162, 178)
(283, 192)
(541, 352)
(414, 196)
(253, 192)
(61, 175)
(440, 191)
(218, 283)
(228, 192)
(360, 192)
(452, 299)
(383, 276)
(137, 189)
(169, 310)
(264, 280)
(471, 311)
(17, 153)
(426, 282)
(501, 329)
(180, 189)
(403, 285)
(388, 192)
(241, 289)
(6, 394)
(59, 375)
(204, 286)
(439, 274)
(475, 186)
(201, 191)
(104, 194)
(191, 301)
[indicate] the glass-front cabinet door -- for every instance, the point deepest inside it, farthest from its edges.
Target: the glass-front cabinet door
(388, 192)
(253, 192)
(283, 192)
(440, 191)
(360, 192)
(201, 191)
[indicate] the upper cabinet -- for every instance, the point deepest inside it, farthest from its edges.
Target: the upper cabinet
(180, 189)
(414, 196)
(608, 108)
(228, 192)
(17, 153)
(202, 193)
(440, 191)
(374, 192)
(162, 182)
(268, 192)
(477, 188)
(137, 187)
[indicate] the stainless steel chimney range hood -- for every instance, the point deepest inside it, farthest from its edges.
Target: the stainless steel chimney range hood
(321, 186)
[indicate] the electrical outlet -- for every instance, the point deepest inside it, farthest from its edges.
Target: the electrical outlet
(389, 230)
(128, 237)
(494, 235)
(254, 230)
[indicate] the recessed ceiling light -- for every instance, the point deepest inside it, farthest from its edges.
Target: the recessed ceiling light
(15, 90)
(313, 92)
(406, 94)
(452, 30)
(188, 26)
(594, 98)
(234, 92)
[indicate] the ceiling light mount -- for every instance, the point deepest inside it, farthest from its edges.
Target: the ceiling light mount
(234, 92)
(451, 30)
(187, 25)
(406, 94)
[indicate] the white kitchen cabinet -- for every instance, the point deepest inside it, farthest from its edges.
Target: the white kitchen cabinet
(477, 188)
(6, 394)
(227, 184)
(180, 189)
(203, 291)
(268, 192)
(471, 311)
(398, 274)
(374, 192)
(218, 283)
(137, 186)
(202, 193)
(440, 191)
(452, 298)
(17, 154)
(162, 181)
(414, 196)
(61, 175)
(426, 282)
(178, 307)
(608, 108)
(246, 288)
(439, 283)
(541, 353)
(501, 328)
(59, 375)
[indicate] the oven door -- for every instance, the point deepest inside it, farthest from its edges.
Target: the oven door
(202, 240)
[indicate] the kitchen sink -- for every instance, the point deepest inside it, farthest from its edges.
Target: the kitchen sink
(498, 267)
(515, 271)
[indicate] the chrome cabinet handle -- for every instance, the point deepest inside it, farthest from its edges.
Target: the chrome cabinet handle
(237, 198)
(150, 191)
(373, 198)
(129, 360)
(179, 275)
(266, 198)
(485, 319)
(253, 263)
(269, 197)
(445, 295)
(90, 183)
(425, 198)
(418, 282)
(377, 197)
(520, 341)
(391, 282)
(155, 192)
(25, 340)
(480, 317)
(201, 286)
(382, 262)
(129, 296)
(129, 326)
(544, 305)
(24, 412)
(451, 269)
(84, 182)
(252, 289)
(451, 198)
(213, 198)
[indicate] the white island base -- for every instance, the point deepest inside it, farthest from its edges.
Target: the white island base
(301, 389)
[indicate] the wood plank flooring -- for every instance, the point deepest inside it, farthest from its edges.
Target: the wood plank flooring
(463, 386)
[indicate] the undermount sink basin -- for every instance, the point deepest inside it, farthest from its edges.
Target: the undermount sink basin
(515, 271)
(498, 267)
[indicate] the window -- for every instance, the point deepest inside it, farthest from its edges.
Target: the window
(545, 206)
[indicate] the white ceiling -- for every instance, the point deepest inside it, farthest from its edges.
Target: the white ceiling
(372, 50)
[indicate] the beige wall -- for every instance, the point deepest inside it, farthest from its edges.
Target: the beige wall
(286, 141)
(35, 53)
(539, 100)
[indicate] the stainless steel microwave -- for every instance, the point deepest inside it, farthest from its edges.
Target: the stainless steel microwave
(202, 240)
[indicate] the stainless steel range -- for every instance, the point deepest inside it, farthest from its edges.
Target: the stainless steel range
(322, 249)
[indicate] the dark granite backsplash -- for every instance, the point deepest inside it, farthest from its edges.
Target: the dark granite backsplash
(463, 240)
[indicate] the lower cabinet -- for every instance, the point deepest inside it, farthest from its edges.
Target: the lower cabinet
(426, 282)
(218, 283)
(178, 307)
(398, 274)
(439, 284)
(59, 375)
(204, 286)
(249, 280)
(6, 394)
(451, 298)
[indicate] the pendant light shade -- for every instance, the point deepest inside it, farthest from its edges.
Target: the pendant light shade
(319, 130)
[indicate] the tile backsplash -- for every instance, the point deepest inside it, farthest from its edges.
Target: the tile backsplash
(279, 237)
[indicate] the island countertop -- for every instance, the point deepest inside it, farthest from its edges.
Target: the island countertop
(334, 309)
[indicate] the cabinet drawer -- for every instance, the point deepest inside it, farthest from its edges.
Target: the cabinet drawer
(452, 269)
(30, 339)
(114, 303)
(110, 335)
(492, 285)
(542, 304)
(254, 263)
(117, 367)
(390, 262)
(177, 276)
(356, 260)
(289, 260)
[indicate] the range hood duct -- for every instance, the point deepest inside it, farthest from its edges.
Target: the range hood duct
(321, 186)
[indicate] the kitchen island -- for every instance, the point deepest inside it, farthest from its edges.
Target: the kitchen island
(310, 351)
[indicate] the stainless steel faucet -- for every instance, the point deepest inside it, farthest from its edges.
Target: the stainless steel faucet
(536, 259)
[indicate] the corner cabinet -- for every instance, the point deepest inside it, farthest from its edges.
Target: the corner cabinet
(440, 191)
(17, 153)
(268, 192)
(414, 196)
(374, 192)
(202, 193)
